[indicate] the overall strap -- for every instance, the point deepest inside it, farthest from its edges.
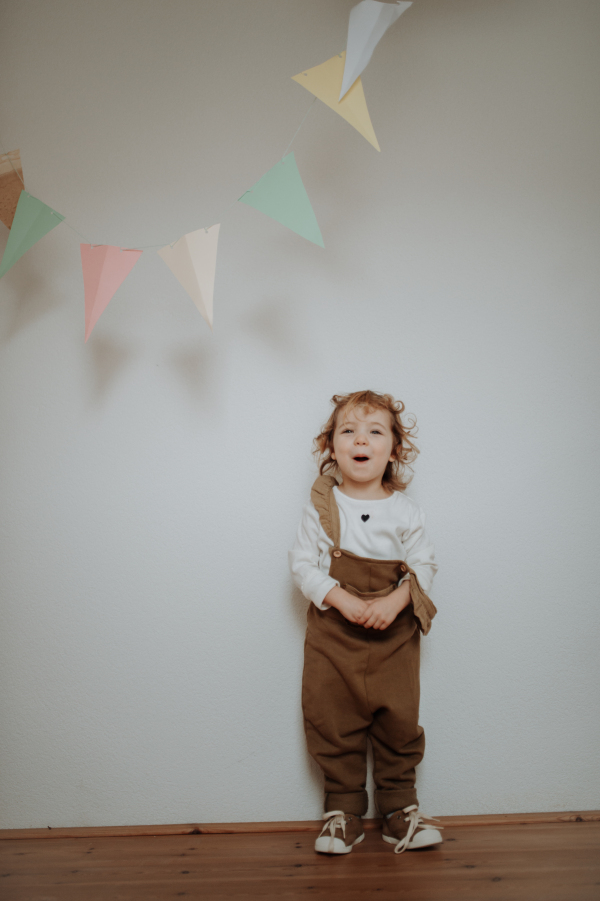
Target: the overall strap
(325, 504)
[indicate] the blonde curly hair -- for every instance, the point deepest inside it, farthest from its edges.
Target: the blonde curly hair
(398, 472)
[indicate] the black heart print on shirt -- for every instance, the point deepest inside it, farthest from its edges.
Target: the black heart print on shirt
(364, 517)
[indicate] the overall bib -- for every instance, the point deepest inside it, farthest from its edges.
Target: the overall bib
(363, 683)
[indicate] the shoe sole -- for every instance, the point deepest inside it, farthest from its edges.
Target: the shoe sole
(421, 839)
(323, 845)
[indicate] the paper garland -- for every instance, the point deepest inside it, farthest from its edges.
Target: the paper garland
(104, 268)
(193, 262)
(324, 81)
(368, 23)
(11, 185)
(33, 219)
(281, 194)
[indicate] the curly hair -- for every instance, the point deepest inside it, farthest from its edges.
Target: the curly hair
(398, 472)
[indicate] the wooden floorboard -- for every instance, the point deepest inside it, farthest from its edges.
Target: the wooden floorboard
(506, 862)
(572, 816)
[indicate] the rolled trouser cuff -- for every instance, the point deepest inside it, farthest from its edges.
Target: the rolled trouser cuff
(350, 802)
(397, 799)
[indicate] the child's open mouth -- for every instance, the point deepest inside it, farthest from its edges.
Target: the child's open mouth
(361, 459)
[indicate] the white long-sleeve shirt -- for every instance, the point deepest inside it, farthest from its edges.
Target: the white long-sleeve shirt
(394, 530)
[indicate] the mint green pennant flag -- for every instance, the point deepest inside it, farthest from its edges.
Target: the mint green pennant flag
(282, 196)
(33, 219)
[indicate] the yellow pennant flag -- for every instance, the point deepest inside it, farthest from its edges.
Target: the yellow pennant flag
(325, 82)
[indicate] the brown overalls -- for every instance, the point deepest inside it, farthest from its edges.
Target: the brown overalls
(361, 682)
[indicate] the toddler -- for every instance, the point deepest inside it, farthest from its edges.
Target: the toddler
(363, 559)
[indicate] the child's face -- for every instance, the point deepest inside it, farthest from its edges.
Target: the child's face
(363, 444)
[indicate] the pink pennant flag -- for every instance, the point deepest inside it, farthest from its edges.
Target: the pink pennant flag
(104, 269)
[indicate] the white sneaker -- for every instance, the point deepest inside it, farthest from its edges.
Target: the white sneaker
(345, 831)
(407, 830)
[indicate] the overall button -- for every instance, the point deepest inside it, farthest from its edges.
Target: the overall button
(337, 553)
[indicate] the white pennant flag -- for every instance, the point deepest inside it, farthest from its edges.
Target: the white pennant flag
(193, 262)
(368, 23)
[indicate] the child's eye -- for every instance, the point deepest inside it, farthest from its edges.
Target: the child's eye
(346, 430)
(376, 431)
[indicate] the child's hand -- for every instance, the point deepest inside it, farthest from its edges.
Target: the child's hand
(351, 607)
(382, 612)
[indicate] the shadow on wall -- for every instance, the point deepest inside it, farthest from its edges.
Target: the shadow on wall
(271, 326)
(192, 365)
(274, 323)
(32, 294)
(108, 357)
(195, 367)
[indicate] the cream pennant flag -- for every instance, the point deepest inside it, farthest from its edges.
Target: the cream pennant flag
(105, 268)
(11, 185)
(193, 262)
(368, 23)
(325, 82)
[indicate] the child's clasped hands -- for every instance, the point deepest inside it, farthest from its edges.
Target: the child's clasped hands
(375, 614)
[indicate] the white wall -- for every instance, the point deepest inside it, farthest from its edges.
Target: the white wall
(153, 479)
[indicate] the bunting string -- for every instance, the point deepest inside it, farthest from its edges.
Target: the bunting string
(162, 244)
(287, 149)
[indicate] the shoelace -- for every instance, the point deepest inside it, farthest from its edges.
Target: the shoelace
(414, 820)
(335, 819)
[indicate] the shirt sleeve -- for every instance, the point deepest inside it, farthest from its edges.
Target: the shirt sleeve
(420, 552)
(305, 558)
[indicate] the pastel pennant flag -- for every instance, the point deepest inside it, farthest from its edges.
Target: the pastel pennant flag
(11, 185)
(105, 268)
(368, 23)
(281, 194)
(325, 82)
(33, 219)
(193, 262)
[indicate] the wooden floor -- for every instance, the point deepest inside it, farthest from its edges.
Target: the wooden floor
(504, 862)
